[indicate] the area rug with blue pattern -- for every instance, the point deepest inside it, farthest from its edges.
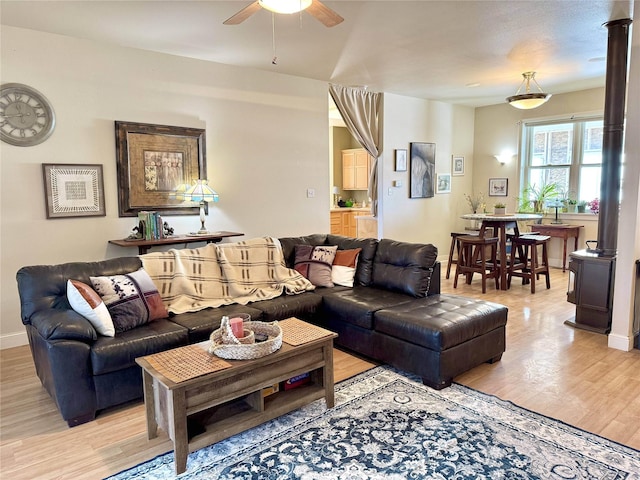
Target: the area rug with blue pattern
(387, 425)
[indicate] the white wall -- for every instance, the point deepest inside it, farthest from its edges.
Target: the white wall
(450, 127)
(266, 143)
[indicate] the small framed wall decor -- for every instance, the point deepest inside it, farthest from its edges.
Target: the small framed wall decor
(401, 160)
(73, 190)
(443, 183)
(457, 167)
(498, 187)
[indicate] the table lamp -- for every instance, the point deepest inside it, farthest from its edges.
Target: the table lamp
(556, 204)
(199, 192)
(336, 191)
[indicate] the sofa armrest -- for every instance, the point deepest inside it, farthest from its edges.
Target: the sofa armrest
(59, 324)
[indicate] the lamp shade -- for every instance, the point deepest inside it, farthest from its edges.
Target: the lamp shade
(200, 192)
(284, 6)
(528, 100)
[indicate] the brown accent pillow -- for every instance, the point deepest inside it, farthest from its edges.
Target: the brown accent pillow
(314, 263)
(344, 266)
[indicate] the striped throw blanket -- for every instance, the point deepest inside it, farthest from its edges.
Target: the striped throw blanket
(190, 280)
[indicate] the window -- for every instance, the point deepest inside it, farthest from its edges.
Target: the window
(567, 153)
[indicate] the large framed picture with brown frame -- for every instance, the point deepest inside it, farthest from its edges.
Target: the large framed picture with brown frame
(153, 160)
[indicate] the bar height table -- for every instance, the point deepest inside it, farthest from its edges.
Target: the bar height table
(500, 224)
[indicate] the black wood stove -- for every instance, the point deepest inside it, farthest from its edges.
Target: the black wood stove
(591, 271)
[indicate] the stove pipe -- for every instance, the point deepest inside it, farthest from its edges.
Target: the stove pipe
(613, 135)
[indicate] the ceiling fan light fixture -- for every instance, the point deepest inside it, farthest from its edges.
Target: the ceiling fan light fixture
(528, 100)
(285, 6)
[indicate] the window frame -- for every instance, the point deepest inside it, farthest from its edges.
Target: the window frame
(577, 153)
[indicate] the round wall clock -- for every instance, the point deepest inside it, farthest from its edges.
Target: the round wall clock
(26, 116)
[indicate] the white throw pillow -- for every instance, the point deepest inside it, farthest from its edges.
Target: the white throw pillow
(84, 300)
(344, 266)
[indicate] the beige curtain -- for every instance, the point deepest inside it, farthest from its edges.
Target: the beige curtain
(361, 112)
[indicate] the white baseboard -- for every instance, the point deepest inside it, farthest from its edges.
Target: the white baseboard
(13, 340)
(620, 342)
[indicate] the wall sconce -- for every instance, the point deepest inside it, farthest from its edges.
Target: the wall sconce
(504, 157)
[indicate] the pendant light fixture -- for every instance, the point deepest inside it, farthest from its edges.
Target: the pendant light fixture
(285, 6)
(528, 99)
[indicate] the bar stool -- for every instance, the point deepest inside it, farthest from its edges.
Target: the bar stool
(527, 266)
(473, 259)
(455, 246)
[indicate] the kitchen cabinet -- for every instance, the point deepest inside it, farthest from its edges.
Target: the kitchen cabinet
(336, 223)
(343, 222)
(356, 169)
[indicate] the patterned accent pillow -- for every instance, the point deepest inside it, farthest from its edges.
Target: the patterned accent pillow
(344, 267)
(132, 299)
(314, 263)
(84, 300)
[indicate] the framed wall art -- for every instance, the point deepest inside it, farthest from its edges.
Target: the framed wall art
(401, 160)
(443, 183)
(422, 169)
(152, 161)
(457, 165)
(498, 187)
(73, 190)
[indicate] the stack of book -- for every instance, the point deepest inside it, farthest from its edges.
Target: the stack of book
(150, 225)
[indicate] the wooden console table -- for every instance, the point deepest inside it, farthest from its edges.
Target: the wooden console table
(145, 245)
(560, 230)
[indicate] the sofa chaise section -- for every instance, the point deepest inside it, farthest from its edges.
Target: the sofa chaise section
(440, 336)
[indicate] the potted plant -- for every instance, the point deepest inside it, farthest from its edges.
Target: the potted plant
(475, 201)
(568, 201)
(582, 205)
(534, 198)
(499, 208)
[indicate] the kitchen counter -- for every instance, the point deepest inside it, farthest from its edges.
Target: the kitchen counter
(350, 209)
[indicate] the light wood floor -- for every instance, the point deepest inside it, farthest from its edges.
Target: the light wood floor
(548, 367)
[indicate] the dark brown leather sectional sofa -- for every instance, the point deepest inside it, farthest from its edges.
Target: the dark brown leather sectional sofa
(394, 314)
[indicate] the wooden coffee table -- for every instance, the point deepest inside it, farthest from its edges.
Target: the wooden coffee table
(230, 400)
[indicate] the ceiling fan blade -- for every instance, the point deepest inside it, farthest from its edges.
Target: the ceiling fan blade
(243, 14)
(324, 14)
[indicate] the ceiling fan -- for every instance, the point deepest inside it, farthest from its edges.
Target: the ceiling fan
(317, 9)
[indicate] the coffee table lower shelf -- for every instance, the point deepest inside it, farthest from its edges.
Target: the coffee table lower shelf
(209, 408)
(238, 416)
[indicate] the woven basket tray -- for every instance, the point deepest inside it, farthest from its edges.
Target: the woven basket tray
(224, 344)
